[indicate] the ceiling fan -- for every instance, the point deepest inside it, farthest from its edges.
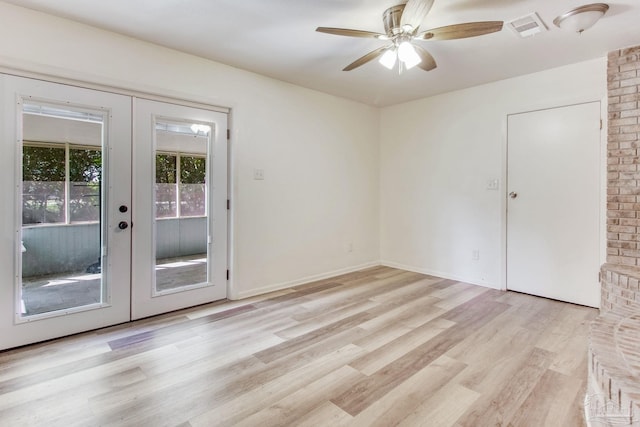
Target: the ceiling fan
(401, 25)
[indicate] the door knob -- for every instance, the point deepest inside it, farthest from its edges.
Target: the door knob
(122, 225)
(513, 194)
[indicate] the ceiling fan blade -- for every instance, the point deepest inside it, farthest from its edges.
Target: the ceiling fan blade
(427, 63)
(366, 58)
(414, 12)
(350, 33)
(461, 31)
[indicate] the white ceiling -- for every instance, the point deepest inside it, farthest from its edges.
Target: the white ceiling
(277, 38)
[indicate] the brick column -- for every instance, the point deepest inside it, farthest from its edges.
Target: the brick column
(623, 189)
(613, 395)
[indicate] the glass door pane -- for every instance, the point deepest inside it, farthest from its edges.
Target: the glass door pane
(61, 231)
(181, 249)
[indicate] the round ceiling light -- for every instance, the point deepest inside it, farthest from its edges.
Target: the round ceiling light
(581, 18)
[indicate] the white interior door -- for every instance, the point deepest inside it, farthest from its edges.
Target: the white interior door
(553, 203)
(65, 173)
(180, 212)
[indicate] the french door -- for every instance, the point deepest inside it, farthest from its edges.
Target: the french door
(180, 211)
(88, 238)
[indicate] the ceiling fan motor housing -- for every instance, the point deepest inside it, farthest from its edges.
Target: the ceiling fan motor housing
(391, 18)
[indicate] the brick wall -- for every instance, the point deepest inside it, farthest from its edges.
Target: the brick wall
(623, 189)
(620, 289)
(613, 396)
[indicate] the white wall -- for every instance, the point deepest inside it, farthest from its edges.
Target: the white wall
(405, 184)
(437, 155)
(319, 153)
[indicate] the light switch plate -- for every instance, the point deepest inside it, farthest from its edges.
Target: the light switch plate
(493, 184)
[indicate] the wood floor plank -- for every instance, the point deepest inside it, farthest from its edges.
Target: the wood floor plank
(379, 346)
(499, 405)
(572, 359)
(205, 373)
(310, 397)
(394, 350)
(407, 292)
(273, 391)
(538, 314)
(268, 319)
(386, 272)
(450, 301)
(63, 371)
(575, 410)
(442, 409)
(349, 294)
(223, 305)
(484, 378)
(496, 339)
(414, 313)
(15, 409)
(410, 394)
(322, 320)
(302, 341)
(455, 289)
(366, 273)
(543, 407)
(325, 414)
(169, 401)
(381, 335)
(21, 367)
(377, 385)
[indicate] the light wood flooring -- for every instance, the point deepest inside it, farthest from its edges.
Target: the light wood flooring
(380, 347)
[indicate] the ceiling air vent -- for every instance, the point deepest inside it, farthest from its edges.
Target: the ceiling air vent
(527, 26)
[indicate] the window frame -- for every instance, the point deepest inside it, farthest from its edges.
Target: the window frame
(178, 155)
(67, 147)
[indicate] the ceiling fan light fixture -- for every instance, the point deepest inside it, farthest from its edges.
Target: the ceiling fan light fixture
(407, 28)
(401, 24)
(388, 59)
(408, 55)
(581, 18)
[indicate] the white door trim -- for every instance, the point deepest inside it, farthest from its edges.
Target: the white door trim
(120, 90)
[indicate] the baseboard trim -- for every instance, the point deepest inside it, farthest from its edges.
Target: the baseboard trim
(437, 274)
(301, 281)
(284, 285)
